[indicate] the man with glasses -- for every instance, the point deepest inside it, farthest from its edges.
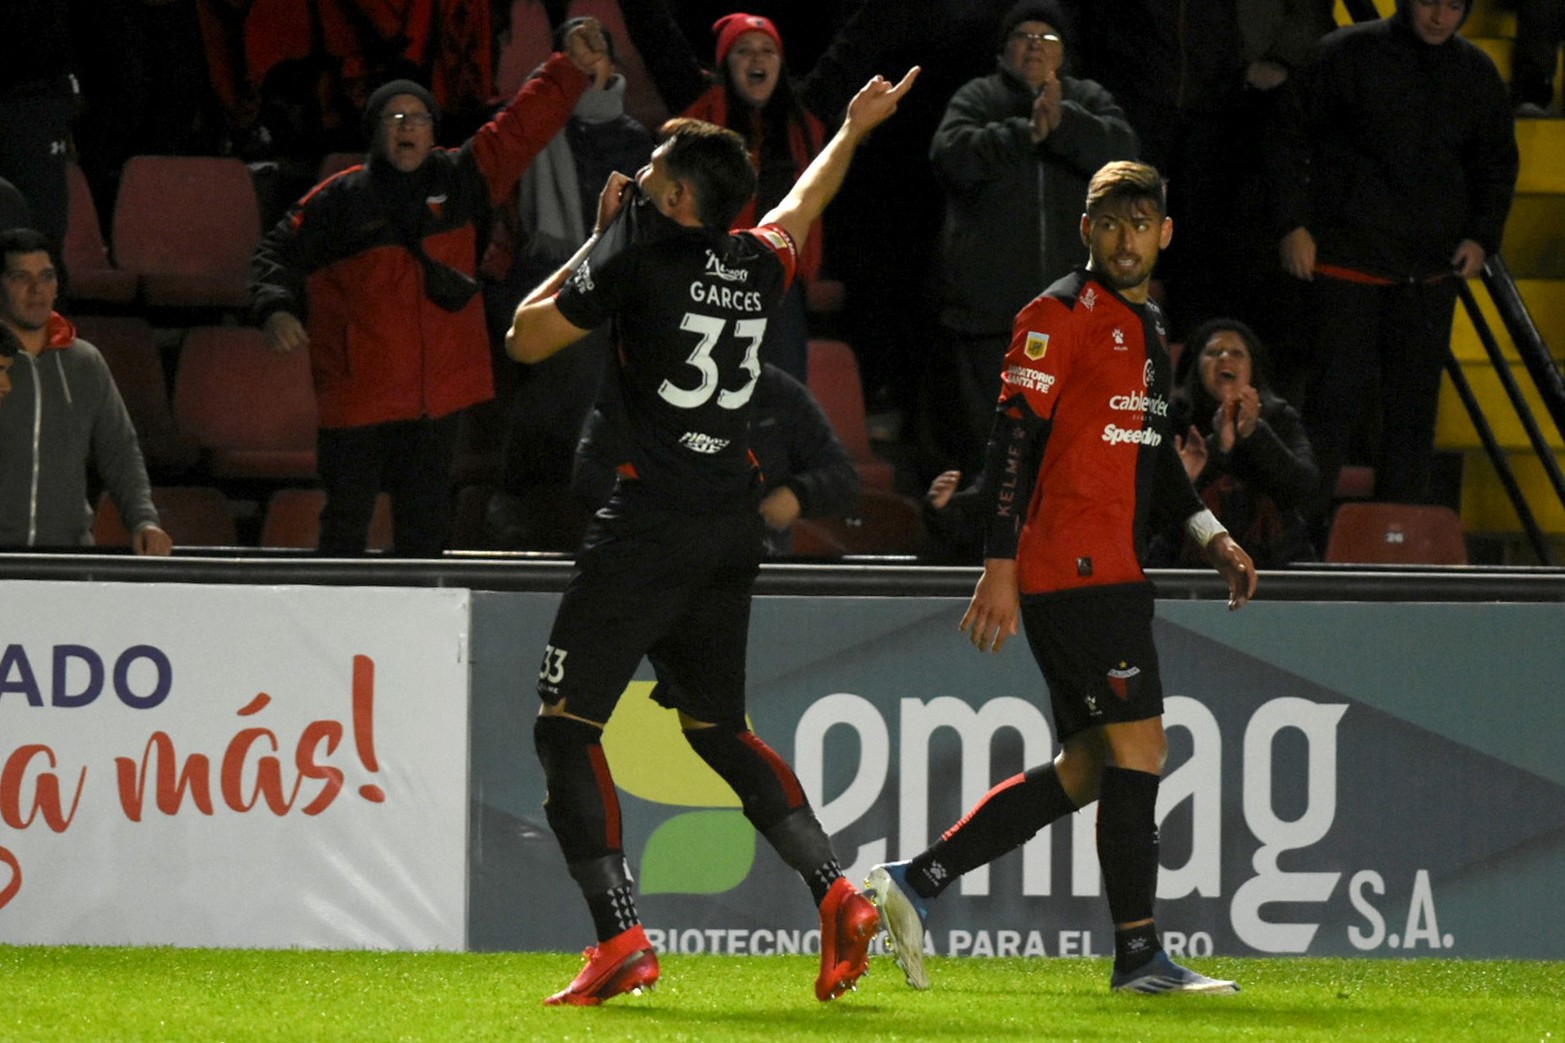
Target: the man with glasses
(1013, 152)
(373, 271)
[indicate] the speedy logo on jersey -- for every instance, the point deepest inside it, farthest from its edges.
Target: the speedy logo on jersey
(1037, 345)
(1113, 434)
(695, 441)
(1029, 379)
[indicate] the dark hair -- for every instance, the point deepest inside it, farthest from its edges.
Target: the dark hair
(23, 241)
(1126, 181)
(716, 163)
(1188, 376)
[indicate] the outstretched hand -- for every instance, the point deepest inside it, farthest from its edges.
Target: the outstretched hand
(876, 101)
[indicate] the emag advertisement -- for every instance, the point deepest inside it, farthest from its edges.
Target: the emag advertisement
(1343, 779)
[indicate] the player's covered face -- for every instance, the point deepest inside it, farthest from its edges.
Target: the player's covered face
(654, 180)
(1123, 241)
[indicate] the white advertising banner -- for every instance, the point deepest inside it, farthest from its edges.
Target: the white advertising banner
(233, 766)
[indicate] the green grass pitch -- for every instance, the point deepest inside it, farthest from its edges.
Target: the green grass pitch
(85, 993)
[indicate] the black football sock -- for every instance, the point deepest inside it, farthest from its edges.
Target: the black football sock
(1007, 817)
(1128, 853)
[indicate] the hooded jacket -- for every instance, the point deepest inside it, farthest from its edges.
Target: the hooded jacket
(1013, 208)
(1392, 151)
(382, 347)
(62, 413)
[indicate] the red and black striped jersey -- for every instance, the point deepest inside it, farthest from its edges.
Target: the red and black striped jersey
(1083, 461)
(690, 308)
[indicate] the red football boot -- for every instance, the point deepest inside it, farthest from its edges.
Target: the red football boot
(624, 963)
(848, 924)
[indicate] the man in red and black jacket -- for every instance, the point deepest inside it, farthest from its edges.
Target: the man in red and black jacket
(373, 272)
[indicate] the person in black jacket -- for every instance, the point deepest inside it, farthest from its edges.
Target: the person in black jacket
(1393, 162)
(1243, 447)
(1013, 152)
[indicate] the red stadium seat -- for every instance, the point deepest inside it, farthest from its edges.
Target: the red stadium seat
(336, 163)
(885, 523)
(834, 381)
(186, 226)
(528, 45)
(129, 347)
(251, 409)
(192, 515)
(642, 100)
(293, 520)
(1369, 533)
(93, 277)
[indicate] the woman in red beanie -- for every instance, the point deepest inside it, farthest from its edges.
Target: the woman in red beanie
(780, 117)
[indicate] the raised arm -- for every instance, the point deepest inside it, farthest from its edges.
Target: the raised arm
(870, 107)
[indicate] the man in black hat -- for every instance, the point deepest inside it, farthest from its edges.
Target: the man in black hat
(373, 273)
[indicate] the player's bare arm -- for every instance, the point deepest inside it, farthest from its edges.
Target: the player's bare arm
(991, 614)
(870, 107)
(538, 330)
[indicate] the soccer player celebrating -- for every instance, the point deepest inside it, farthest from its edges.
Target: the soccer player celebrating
(666, 569)
(1082, 467)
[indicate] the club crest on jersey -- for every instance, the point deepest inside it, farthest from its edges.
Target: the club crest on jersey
(1089, 299)
(1119, 681)
(1037, 345)
(1119, 340)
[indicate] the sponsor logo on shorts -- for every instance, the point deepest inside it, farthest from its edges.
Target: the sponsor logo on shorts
(1113, 434)
(697, 442)
(1029, 379)
(1037, 345)
(1119, 680)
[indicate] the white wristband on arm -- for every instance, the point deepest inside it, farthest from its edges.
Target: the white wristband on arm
(1204, 527)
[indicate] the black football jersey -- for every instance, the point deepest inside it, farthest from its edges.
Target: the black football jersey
(690, 308)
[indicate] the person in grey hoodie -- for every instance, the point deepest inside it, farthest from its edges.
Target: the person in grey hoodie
(62, 411)
(1014, 152)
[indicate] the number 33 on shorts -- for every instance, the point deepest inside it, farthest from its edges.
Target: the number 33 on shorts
(552, 669)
